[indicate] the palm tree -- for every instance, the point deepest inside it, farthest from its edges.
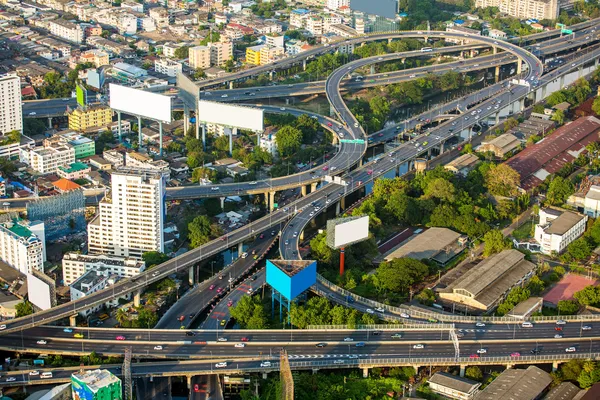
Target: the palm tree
(121, 316)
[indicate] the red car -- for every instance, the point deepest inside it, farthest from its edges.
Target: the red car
(196, 388)
(369, 172)
(381, 135)
(223, 238)
(211, 287)
(325, 168)
(558, 328)
(230, 303)
(262, 236)
(120, 337)
(329, 124)
(219, 290)
(515, 354)
(245, 339)
(474, 356)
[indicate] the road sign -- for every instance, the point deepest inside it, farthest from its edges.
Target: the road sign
(357, 141)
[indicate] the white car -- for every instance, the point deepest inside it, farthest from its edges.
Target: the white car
(341, 135)
(250, 290)
(338, 361)
(32, 113)
(224, 96)
(561, 322)
(558, 336)
(481, 351)
(41, 342)
(480, 325)
(214, 188)
(244, 255)
(570, 350)
(282, 108)
(34, 373)
(380, 58)
(312, 214)
(418, 346)
(356, 124)
(348, 339)
(265, 364)
(527, 324)
(586, 328)
(222, 339)
(295, 234)
(380, 309)
(369, 311)
(158, 347)
(240, 345)
(221, 365)
(11, 379)
(404, 315)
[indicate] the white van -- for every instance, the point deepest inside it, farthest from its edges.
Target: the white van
(46, 375)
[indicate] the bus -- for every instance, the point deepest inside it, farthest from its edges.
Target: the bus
(426, 49)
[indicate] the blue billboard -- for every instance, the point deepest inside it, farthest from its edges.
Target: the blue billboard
(291, 277)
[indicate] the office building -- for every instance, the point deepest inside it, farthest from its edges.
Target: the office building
(46, 159)
(558, 228)
(220, 52)
(84, 118)
(199, 57)
(131, 217)
(23, 244)
(66, 30)
(167, 67)
(485, 285)
(11, 114)
(91, 282)
(75, 265)
(99, 384)
(525, 9)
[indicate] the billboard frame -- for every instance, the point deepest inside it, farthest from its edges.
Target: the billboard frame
(135, 113)
(333, 223)
(233, 107)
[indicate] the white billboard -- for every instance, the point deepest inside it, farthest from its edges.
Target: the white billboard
(140, 103)
(39, 292)
(345, 231)
(229, 115)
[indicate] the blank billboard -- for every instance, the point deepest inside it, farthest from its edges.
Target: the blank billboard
(39, 292)
(345, 231)
(229, 115)
(382, 8)
(140, 103)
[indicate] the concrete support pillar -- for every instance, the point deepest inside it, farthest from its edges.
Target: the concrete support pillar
(240, 248)
(160, 138)
(315, 370)
(362, 44)
(303, 190)
(73, 320)
(272, 201)
(191, 279)
(555, 366)
(234, 132)
(231, 85)
(264, 375)
(365, 372)
(186, 118)
(509, 366)
(137, 297)
(389, 40)
(203, 136)
(544, 88)
(442, 147)
(398, 168)
(462, 370)
(271, 75)
(338, 208)
(580, 70)
(472, 53)
(189, 381)
(429, 154)
(120, 129)
(304, 65)
(313, 186)
(343, 202)
(301, 235)
(494, 50)
(50, 123)
(140, 138)
(222, 202)
(497, 73)
(372, 69)
(497, 118)
(521, 105)
(519, 66)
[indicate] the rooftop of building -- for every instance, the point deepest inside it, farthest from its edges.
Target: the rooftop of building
(66, 185)
(454, 382)
(525, 306)
(428, 245)
(506, 141)
(565, 220)
(492, 277)
(291, 267)
(517, 384)
(550, 154)
(564, 391)
(96, 379)
(467, 160)
(91, 278)
(75, 167)
(115, 261)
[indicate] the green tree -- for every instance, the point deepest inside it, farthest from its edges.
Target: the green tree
(515, 296)
(152, 258)
(535, 285)
(401, 273)
(596, 106)
(559, 191)
(182, 52)
(309, 127)
(568, 307)
(24, 308)
(288, 140)
(588, 296)
(441, 189)
(579, 249)
(558, 116)
(427, 297)
(502, 180)
(474, 373)
(494, 242)
(199, 231)
(250, 313)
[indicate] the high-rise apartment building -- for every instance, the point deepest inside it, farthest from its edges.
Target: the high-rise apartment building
(11, 115)
(83, 118)
(66, 30)
(23, 245)
(131, 217)
(525, 9)
(199, 57)
(220, 52)
(46, 159)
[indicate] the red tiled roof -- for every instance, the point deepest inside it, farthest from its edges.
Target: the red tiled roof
(27, 91)
(554, 151)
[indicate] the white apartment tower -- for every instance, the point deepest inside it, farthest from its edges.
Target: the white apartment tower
(23, 245)
(131, 217)
(11, 114)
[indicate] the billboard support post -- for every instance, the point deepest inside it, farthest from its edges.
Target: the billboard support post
(342, 259)
(140, 139)
(119, 127)
(160, 138)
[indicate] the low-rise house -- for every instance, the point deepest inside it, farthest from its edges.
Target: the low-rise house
(453, 386)
(557, 228)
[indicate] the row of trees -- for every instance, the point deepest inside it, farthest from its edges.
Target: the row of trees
(320, 311)
(250, 313)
